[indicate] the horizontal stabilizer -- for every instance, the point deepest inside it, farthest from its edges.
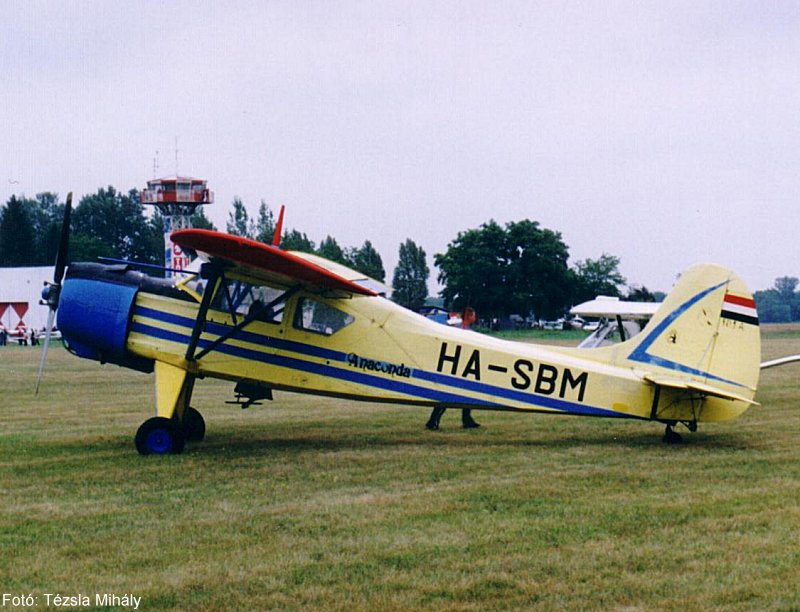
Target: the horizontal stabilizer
(677, 383)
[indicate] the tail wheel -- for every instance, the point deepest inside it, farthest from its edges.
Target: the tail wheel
(159, 436)
(193, 425)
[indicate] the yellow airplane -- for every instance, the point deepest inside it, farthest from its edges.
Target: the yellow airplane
(269, 320)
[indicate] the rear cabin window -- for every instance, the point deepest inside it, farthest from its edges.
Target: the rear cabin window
(320, 318)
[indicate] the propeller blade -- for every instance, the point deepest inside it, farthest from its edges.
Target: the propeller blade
(52, 293)
(48, 332)
(63, 244)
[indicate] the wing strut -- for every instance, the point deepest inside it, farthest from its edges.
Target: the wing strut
(213, 274)
(621, 329)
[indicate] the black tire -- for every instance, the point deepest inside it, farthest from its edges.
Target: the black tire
(159, 436)
(194, 426)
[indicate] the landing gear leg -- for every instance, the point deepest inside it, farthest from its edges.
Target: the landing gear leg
(671, 436)
(176, 422)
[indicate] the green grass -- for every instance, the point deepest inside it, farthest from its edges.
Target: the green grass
(547, 336)
(327, 504)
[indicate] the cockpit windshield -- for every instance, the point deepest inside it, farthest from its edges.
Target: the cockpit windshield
(243, 299)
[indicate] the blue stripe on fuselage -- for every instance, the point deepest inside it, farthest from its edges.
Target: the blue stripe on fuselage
(313, 368)
(351, 375)
(267, 341)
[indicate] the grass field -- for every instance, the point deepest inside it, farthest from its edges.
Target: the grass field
(327, 504)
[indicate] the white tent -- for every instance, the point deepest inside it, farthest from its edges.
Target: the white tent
(20, 292)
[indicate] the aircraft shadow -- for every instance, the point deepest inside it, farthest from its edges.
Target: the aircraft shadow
(220, 444)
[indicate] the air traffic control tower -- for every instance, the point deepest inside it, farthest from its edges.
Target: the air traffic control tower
(176, 198)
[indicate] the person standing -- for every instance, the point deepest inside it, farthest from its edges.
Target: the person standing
(468, 317)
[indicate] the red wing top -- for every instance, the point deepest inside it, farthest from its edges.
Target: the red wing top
(268, 262)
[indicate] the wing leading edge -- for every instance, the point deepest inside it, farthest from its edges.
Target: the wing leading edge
(270, 262)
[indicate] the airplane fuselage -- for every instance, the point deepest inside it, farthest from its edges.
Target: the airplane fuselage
(359, 347)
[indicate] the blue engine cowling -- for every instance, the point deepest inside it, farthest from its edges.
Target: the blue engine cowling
(94, 318)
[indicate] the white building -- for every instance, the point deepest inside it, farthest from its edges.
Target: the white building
(20, 292)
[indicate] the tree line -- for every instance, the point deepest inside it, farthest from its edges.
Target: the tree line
(114, 224)
(522, 268)
(108, 223)
(780, 303)
(364, 259)
(518, 268)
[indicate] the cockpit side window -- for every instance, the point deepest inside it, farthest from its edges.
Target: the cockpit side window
(319, 317)
(245, 299)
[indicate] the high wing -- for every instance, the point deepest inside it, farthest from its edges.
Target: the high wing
(269, 263)
(351, 275)
(611, 307)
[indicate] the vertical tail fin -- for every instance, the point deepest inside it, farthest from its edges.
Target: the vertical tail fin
(706, 331)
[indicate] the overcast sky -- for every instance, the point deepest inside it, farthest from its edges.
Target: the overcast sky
(665, 133)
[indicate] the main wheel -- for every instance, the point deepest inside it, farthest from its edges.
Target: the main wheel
(159, 436)
(194, 426)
